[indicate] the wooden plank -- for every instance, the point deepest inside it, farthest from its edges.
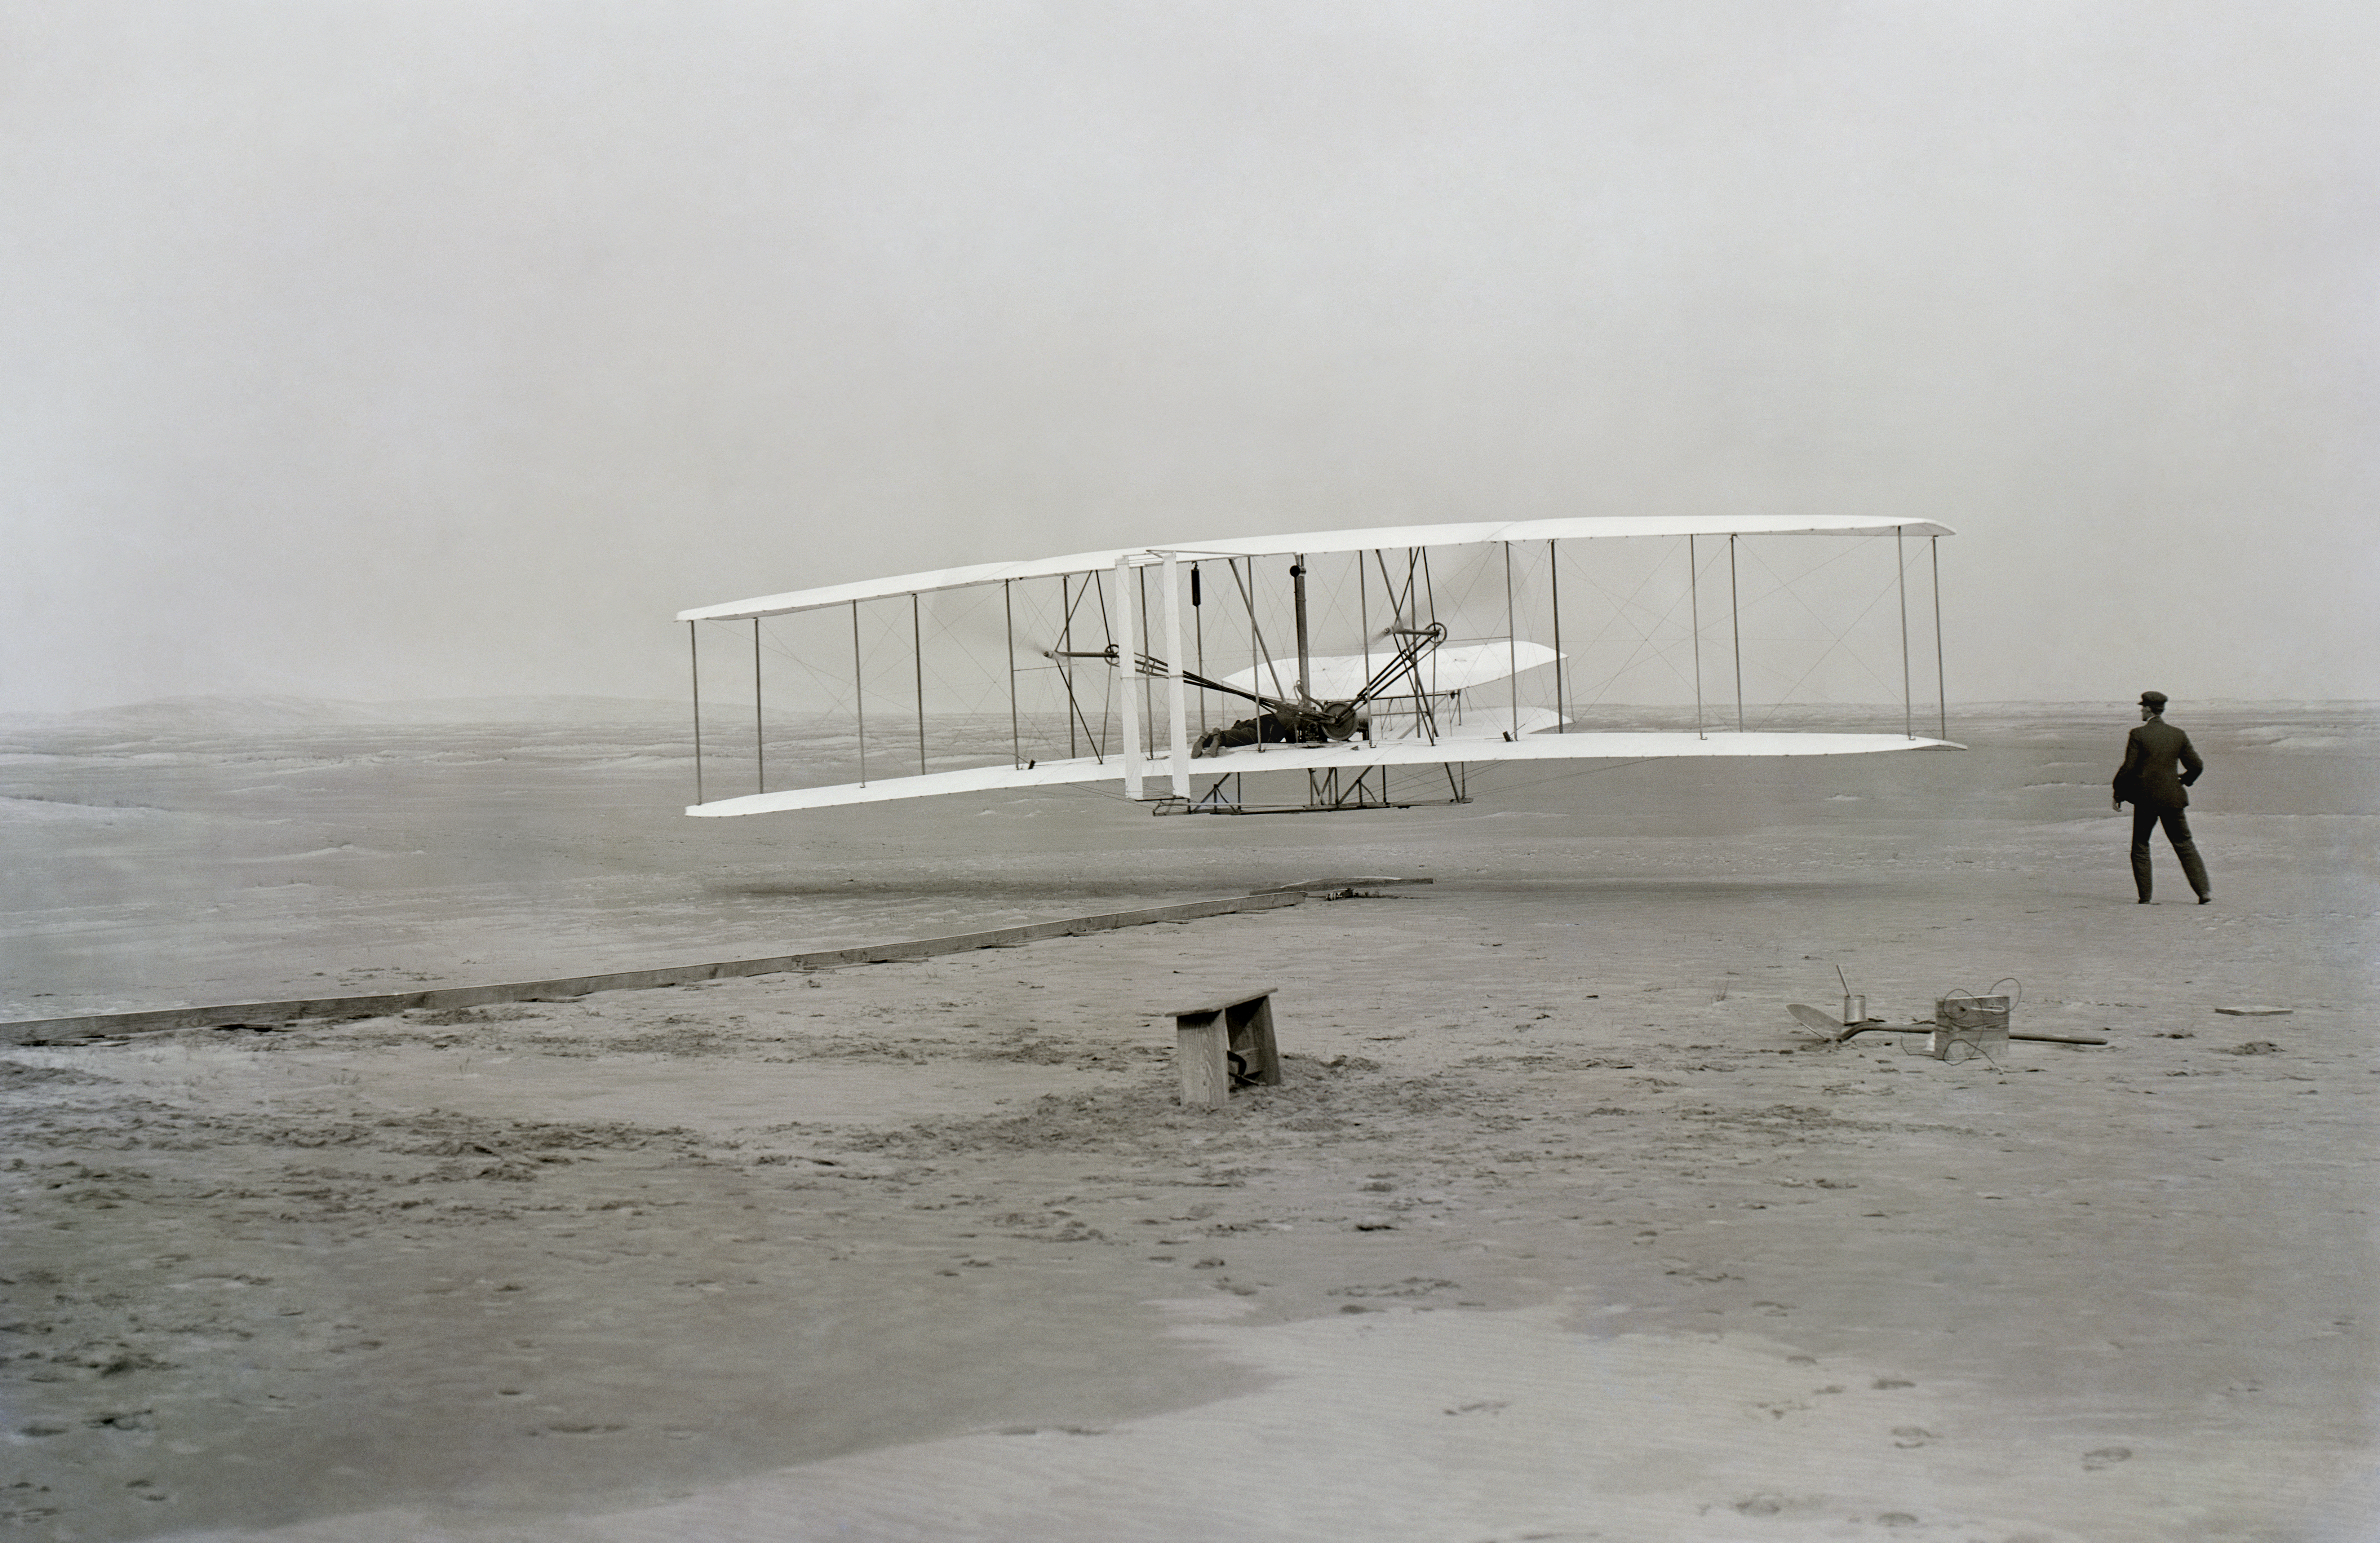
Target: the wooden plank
(1216, 1005)
(1200, 1046)
(94, 1025)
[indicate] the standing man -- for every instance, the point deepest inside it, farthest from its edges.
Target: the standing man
(2148, 782)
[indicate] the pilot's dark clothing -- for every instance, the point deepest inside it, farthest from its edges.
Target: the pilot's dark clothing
(1291, 725)
(1265, 728)
(2149, 782)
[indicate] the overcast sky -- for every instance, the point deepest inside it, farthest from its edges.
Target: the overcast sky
(431, 349)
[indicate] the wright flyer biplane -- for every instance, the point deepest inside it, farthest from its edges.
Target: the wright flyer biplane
(1329, 670)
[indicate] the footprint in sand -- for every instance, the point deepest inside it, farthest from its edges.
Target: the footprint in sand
(2104, 1457)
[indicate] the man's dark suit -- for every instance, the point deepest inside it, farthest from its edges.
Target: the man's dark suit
(2149, 782)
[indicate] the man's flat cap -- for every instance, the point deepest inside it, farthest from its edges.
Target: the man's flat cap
(2153, 698)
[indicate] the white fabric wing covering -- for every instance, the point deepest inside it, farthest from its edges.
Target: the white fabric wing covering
(1385, 537)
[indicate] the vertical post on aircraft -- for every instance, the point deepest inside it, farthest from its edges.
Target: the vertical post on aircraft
(694, 658)
(1900, 579)
(1176, 709)
(1553, 568)
(1297, 586)
(918, 658)
(1128, 679)
(859, 693)
(1364, 615)
(1735, 621)
(1008, 625)
(1198, 628)
(1148, 703)
(1941, 691)
(759, 723)
(1256, 648)
(1511, 644)
(1694, 605)
(1417, 563)
(1065, 645)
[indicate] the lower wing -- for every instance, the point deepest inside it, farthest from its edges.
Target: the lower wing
(1353, 755)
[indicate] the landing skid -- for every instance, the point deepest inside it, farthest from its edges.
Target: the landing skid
(1327, 792)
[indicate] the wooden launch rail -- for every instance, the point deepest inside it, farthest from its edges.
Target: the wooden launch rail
(106, 1025)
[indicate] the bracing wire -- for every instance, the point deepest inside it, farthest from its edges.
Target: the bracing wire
(1785, 698)
(1643, 640)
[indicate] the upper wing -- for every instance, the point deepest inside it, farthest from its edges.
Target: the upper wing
(1383, 537)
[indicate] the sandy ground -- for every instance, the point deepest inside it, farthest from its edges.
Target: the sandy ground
(1557, 1228)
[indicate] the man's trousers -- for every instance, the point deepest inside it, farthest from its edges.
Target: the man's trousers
(2146, 819)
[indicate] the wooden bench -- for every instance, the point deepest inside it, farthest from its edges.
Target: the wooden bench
(1222, 1043)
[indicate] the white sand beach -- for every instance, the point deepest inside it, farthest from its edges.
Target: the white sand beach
(1557, 1228)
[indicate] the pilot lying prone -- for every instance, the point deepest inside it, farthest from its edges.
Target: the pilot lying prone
(1314, 723)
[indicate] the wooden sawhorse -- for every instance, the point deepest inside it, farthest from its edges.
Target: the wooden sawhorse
(1224, 1043)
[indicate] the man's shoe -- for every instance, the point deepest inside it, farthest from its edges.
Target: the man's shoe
(2206, 900)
